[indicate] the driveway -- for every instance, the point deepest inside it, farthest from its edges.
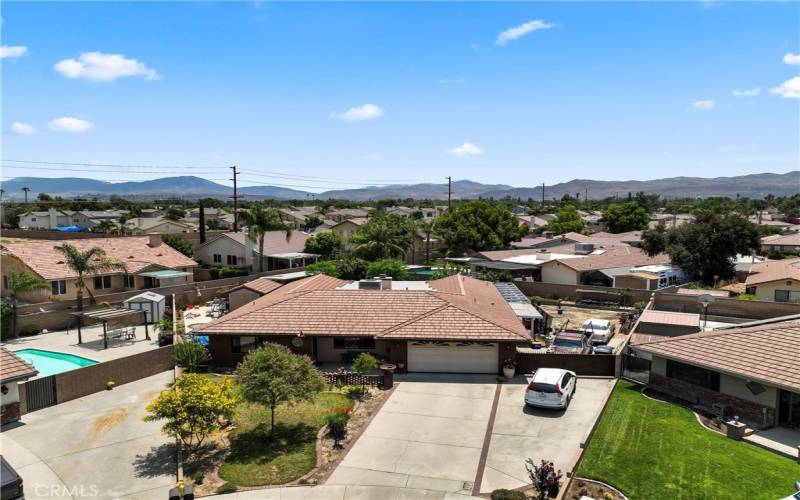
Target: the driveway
(431, 435)
(96, 446)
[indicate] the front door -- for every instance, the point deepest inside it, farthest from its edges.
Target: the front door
(789, 409)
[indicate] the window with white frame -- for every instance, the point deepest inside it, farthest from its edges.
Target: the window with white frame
(58, 287)
(102, 282)
(217, 258)
(129, 281)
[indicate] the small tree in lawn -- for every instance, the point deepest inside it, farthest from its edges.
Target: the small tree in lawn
(363, 363)
(190, 355)
(273, 375)
(194, 407)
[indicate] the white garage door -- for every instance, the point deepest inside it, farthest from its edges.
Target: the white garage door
(452, 357)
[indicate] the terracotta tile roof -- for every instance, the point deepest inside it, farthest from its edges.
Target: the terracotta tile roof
(460, 308)
(766, 353)
(774, 270)
(12, 367)
(701, 291)
(261, 285)
(670, 318)
(275, 241)
(644, 338)
(134, 251)
(782, 239)
(633, 259)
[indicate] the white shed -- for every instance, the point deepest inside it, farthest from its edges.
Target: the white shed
(152, 303)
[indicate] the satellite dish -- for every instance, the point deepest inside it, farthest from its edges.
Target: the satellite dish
(706, 299)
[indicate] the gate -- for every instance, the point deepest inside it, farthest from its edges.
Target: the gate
(636, 368)
(40, 393)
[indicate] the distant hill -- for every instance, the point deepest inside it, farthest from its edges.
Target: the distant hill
(751, 186)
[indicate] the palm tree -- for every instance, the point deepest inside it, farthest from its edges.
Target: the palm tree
(383, 237)
(26, 190)
(106, 226)
(427, 229)
(22, 282)
(86, 263)
(259, 221)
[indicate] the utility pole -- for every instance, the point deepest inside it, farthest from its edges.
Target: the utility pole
(543, 195)
(235, 202)
(449, 193)
(586, 196)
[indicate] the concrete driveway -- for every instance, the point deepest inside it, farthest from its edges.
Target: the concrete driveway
(432, 435)
(520, 433)
(94, 447)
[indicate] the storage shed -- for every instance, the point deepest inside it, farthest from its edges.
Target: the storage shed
(151, 303)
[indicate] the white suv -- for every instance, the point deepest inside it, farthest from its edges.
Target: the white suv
(598, 331)
(551, 388)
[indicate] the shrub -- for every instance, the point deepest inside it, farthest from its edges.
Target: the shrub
(232, 272)
(190, 354)
(226, 488)
(30, 330)
(198, 477)
(5, 320)
(354, 391)
(214, 273)
(746, 296)
(337, 426)
(504, 494)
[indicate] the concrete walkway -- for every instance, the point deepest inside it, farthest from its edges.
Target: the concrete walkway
(94, 447)
(341, 492)
(781, 440)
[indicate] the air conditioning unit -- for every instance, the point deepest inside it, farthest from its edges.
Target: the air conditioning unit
(584, 248)
(369, 285)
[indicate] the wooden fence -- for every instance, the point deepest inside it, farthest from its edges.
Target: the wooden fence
(599, 365)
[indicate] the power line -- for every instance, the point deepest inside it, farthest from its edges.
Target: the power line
(116, 165)
(59, 169)
(264, 173)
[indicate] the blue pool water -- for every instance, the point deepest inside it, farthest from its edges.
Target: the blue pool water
(50, 363)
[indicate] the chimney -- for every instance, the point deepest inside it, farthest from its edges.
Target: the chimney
(154, 240)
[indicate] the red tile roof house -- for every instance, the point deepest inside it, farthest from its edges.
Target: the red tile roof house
(149, 263)
(13, 370)
(752, 370)
(456, 325)
(237, 250)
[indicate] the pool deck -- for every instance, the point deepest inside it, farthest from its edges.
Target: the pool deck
(92, 348)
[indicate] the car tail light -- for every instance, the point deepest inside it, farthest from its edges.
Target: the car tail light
(530, 385)
(558, 390)
(21, 489)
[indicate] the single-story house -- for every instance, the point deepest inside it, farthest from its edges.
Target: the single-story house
(159, 225)
(149, 264)
(781, 243)
(775, 280)
(13, 370)
(237, 250)
(596, 269)
(250, 291)
(750, 371)
(549, 240)
(52, 218)
(343, 214)
(455, 324)
(652, 277)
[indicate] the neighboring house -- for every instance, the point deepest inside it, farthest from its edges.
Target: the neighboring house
(667, 323)
(53, 218)
(781, 243)
(549, 240)
(149, 262)
(343, 214)
(144, 225)
(13, 370)
(519, 210)
(652, 277)
(455, 324)
(250, 291)
(750, 371)
(296, 216)
(347, 228)
(775, 280)
(597, 269)
(670, 221)
(633, 238)
(237, 250)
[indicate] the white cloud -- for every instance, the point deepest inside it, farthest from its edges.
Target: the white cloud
(13, 52)
(99, 67)
(790, 89)
(20, 128)
(522, 30)
(466, 149)
(790, 58)
(705, 104)
(70, 124)
(747, 92)
(446, 81)
(359, 113)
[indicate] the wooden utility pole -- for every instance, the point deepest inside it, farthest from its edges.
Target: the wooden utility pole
(235, 202)
(543, 195)
(449, 193)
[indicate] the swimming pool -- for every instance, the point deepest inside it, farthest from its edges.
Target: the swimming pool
(50, 363)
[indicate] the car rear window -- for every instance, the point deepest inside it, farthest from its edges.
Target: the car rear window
(543, 387)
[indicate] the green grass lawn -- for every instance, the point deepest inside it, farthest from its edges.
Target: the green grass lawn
(259, 458)
(652, 450)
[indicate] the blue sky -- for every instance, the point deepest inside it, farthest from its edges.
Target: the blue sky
(361, 93)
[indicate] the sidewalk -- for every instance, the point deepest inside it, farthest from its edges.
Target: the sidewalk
(341, 492)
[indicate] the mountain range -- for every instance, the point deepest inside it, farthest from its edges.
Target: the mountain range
(752, 186)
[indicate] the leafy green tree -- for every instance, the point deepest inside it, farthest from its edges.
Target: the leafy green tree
(273, 375)
(388, 267)
(327, 267)
(567, 220)
(478, 225)
(22, 282)
(624, 217)
(364, 362)
(190, 355)
(194, 407)
(174, 213)
(384, 237)
(311, 223)
(705, 248)
(352, 268)
(260, 220)
(180, 244)
(87, 263)
(327, 245)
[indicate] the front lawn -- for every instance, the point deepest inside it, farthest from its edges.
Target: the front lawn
(259, 458)
(654, 450)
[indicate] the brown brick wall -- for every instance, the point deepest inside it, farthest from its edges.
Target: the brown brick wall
(582, 364)
(753, 414)
(90, 379)
(733, 308)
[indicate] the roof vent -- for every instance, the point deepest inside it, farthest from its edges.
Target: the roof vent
(385, 281)
(584, 248)
(548, 234)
